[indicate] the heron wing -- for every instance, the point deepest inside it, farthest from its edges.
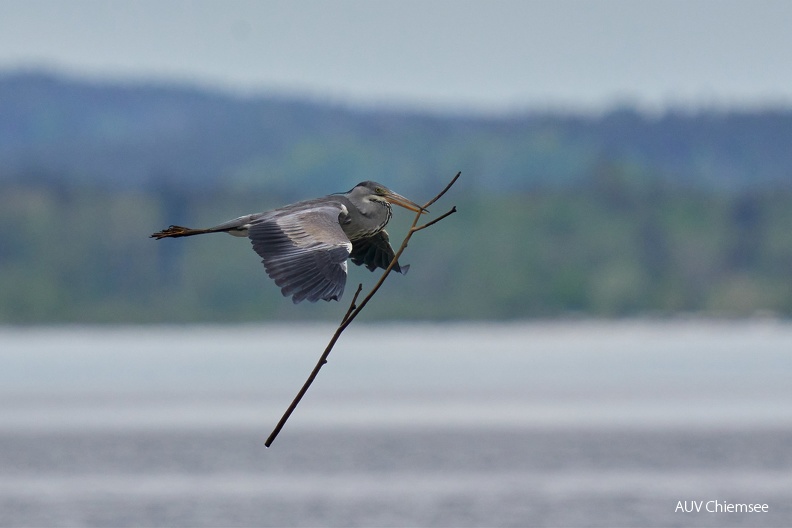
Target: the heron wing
(304, 251)
(375, 252)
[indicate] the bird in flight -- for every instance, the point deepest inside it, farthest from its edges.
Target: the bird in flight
(305, 246)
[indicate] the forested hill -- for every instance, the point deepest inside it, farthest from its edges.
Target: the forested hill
(615, 215)
(62, 131)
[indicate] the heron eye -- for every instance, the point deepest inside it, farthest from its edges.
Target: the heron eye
(379, 190)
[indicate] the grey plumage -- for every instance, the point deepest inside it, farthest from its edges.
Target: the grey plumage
(305, 246)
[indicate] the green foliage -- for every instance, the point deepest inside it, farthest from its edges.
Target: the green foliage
(609, 215)
(614, 249)
(57, 131)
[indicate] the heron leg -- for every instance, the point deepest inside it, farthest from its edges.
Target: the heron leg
(237, 227)
(175, 231)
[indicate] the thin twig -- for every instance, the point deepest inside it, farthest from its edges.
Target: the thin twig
(354, 309)
(440, 195)
(315, 371)
(352, 304)
(433, 222)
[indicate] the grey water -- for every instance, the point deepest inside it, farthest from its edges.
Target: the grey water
(538, 424)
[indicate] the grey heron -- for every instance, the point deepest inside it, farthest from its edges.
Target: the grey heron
(305, 246)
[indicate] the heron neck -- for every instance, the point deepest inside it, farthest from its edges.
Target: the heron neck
(369, 221)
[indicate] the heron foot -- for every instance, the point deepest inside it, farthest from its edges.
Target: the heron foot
(175, 231)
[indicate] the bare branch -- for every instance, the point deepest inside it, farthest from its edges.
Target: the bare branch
(451, 183)
(354, 309)
(433, 222)
(352, 304)
(308, 382)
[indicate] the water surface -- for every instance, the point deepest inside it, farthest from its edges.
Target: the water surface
(542, 424)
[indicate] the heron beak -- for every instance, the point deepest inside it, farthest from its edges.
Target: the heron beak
(400, 200)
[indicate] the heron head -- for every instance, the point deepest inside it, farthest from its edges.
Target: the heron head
(378, 192)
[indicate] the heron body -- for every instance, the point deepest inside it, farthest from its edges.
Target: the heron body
(305, 246)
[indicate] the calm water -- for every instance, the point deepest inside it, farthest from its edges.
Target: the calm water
(552, 424)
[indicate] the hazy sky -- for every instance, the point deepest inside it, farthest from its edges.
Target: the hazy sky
(485, 54)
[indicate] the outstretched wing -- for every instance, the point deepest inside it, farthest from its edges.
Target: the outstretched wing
(304, 251)
(375, 252)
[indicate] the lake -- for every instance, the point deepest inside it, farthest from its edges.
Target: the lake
(558, 423)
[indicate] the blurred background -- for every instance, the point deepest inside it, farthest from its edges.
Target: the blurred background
(618, 158)
(601, 331)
